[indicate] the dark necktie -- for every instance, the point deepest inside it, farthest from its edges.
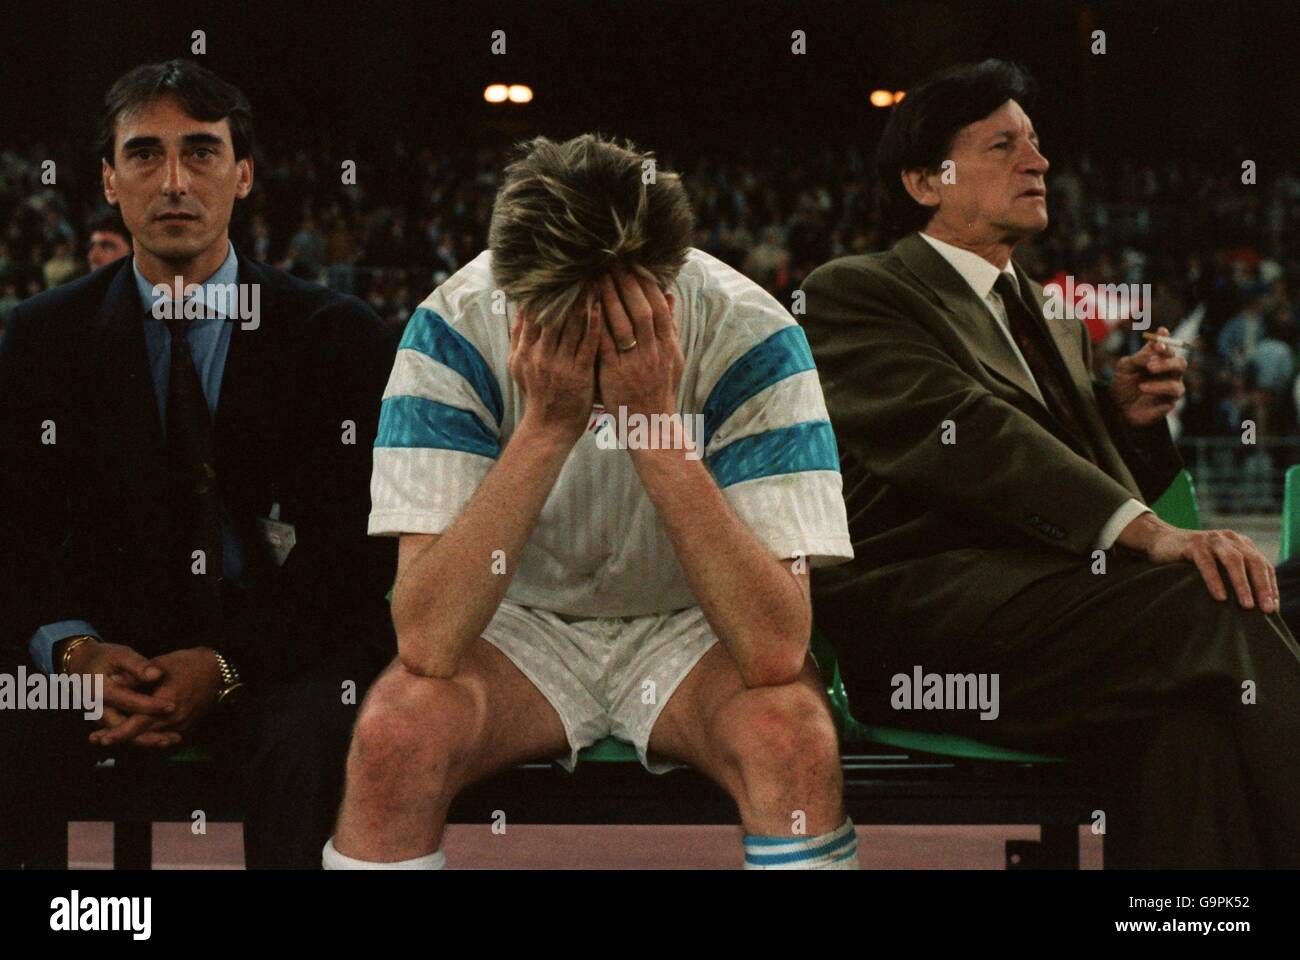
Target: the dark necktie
(1045, 364)
(192, 483)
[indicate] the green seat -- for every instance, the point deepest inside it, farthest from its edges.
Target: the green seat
(853, 731)
(1177, 505)
(1290, 514)
(609, 750)
(189, 755)
(828, 664)
(950, 745)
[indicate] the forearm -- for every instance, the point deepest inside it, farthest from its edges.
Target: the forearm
(1141, 533)
(754, 601)
(447, 593)
(944, 439)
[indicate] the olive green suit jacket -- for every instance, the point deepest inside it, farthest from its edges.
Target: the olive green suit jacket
(962, 488)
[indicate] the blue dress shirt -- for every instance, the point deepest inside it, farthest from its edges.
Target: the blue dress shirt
(209, 340)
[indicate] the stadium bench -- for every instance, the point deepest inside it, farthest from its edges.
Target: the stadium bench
(1290, 514)
(1177, 505)
(891, 776)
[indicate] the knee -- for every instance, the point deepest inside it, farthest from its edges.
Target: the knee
(781, 733)
(1218, 635)
(410, 728)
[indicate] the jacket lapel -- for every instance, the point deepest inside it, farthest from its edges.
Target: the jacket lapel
(248, 378)
(1066, 334)
(122, 360)
(971, 318)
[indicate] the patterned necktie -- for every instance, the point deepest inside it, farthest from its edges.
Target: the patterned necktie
(1045, 364)
(192, 484)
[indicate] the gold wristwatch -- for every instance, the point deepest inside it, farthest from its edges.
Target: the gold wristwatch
(232, 688)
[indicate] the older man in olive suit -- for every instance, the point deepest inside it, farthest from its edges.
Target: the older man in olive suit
(997, 498)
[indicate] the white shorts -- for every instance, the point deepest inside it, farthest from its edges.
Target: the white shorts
(609, 676)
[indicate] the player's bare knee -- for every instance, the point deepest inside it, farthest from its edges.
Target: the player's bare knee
(409, 728)
(782, 732)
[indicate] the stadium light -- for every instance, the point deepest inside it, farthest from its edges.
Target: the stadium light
(520, 93)
(496, 93)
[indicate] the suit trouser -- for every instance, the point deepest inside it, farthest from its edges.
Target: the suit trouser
(288, 742)
(1288, 584)
(1184, 710)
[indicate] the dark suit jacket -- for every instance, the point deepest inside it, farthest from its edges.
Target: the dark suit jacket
(82, 527)
(945, 533)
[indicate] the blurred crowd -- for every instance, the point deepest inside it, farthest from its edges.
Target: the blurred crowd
(1222, 257)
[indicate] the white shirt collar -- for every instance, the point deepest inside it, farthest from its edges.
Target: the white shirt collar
(974, 269)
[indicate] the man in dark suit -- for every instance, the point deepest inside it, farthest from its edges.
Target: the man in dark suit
(186, 438)
(997, 502)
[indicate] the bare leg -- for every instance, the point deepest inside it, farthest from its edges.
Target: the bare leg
(419, 740)
(774, 749)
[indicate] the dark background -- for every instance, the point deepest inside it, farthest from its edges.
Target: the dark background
(1178, 78)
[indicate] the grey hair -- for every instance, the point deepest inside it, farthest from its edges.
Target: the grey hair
(567, 212)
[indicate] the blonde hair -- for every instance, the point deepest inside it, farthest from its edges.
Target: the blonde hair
(567, 212)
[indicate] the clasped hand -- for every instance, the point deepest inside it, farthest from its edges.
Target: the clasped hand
(149, 703)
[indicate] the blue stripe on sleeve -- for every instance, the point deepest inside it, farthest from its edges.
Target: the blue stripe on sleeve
(781, 355)
(420, 422)
(802, 446)
(428, 333)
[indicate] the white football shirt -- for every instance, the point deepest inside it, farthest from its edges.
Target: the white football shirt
(599, 548)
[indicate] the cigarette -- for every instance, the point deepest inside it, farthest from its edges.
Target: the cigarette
(1167, 341)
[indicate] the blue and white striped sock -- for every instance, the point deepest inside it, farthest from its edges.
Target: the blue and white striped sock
(837, 850)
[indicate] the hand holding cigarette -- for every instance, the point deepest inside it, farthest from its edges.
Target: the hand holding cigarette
(1147, 385)
(1167, 341)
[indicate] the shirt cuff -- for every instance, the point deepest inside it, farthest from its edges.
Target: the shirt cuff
(1128, 511)
(41, 645)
